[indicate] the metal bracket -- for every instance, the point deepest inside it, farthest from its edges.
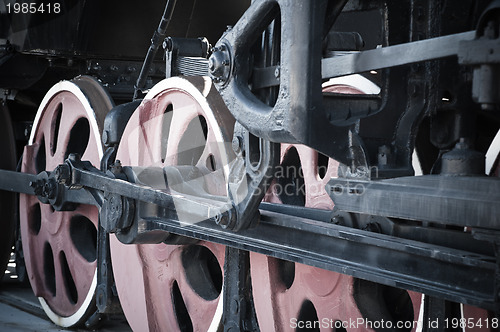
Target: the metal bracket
(299, 50)
(492, 236)
(186, 56)
(239, 311)
(484, 54)
(449, 200)
(106, 300)
(392, 56)
(250, 176)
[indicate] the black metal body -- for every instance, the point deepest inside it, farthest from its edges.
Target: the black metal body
(299, 94)
(240, 313)
(269, 68)
(107, 40)
(448, 200)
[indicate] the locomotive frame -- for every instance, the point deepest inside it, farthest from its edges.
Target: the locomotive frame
(437, 77)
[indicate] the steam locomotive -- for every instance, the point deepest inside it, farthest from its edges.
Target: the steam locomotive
(265, 165)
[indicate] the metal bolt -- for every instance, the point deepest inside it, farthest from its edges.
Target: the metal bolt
(62, 173)
(105, 137)
(237, 144)
(49, 189)
(211, 64)
(37, 186)
(277, 72)
(116, 167)
(384, 153)
(219, 64)
(463, 144)
(221, 219)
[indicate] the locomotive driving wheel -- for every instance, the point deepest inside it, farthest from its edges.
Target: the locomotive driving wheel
(294, 297)
(175, 287)
(60, 247)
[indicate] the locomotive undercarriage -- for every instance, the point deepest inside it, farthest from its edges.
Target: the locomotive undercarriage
(434, 234)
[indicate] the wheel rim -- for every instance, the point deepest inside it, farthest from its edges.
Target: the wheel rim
(175, 287)
(286, 293)
(60, 247)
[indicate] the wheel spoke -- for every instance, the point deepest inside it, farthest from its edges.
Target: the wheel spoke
(83, 253)
(63, 297)
(183, 123)
(211, 153)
